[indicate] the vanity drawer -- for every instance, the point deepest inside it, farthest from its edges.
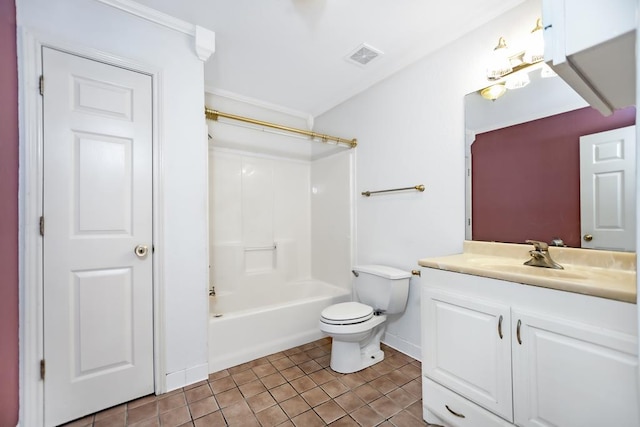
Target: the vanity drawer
(437, 398)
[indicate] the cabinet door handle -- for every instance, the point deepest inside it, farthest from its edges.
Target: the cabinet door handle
(500, 327)
(518, 332)
(454, 412)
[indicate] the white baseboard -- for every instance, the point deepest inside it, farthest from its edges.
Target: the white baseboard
(175, 380)
(185, 377)
(403, 346)
(197, 373)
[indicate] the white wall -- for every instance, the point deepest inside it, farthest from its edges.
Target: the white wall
(410, 130)
(182, 215)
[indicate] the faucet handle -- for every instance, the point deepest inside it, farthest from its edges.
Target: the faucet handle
(540, 246)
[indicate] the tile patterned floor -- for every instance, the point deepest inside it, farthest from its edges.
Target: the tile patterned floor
(295, 387)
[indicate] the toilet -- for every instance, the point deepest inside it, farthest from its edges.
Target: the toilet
(356, 327)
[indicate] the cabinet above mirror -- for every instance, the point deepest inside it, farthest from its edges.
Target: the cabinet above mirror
(591, 45)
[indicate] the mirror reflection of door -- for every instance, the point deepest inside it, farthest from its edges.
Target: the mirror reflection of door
(607, 189)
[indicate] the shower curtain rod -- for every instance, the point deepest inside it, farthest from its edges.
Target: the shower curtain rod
(212, 114)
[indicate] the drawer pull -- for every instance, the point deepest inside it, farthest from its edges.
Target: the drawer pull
(454, 412)
(518, 332)
(500, 327)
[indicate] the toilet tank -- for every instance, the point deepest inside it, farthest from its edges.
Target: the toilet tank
(382, 287)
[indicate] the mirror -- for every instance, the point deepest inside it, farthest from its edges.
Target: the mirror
(523, 161)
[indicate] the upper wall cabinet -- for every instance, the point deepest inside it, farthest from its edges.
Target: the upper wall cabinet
(591, 45)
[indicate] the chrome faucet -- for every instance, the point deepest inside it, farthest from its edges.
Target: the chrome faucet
(540, 256)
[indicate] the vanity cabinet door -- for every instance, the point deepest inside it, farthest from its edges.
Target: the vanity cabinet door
(571, 374)
(467, 348)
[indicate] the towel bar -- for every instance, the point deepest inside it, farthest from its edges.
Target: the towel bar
(415, 187)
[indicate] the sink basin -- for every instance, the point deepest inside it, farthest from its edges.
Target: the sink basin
(537, 271)
(498, 265)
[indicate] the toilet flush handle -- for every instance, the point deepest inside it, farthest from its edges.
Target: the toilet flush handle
(355, 273)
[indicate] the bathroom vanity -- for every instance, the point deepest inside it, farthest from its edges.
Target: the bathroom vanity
(506, 344)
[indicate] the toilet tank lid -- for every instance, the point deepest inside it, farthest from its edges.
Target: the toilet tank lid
(383, 271)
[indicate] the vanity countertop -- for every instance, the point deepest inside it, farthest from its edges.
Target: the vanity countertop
(598, 273)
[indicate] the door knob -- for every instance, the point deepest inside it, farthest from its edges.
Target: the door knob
(141, 251)
(587, 237)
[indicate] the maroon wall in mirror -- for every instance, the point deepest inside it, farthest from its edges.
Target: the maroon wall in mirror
(526, 177)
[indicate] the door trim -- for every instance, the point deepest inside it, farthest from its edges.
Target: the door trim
(30, 204)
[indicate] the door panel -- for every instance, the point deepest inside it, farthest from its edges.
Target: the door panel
(560, 358)
(102, 98)
(607, 189)
(467, 348)
(98, 306)
(103, 205)
(102, 321)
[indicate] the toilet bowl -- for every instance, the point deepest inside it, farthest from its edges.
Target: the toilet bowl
(357, 327)
(356, 336)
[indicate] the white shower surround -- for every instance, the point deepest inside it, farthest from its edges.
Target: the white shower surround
(267, 318)
(280, 238)
(260, 220)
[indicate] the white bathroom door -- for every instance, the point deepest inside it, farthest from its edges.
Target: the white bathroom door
(97, 209)
(608, 189)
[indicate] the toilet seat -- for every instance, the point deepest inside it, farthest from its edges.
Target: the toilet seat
(346, 313)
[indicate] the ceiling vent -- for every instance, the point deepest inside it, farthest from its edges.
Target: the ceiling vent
(363, 54)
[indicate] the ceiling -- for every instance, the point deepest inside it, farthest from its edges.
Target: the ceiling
(291, 53)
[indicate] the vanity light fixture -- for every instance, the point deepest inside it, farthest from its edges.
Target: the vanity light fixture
(500, 63)
(517, 80)
(504, 62)
(493, 92)
(535, 45)
(511, 70)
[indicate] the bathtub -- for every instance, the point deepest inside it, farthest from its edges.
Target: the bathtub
(247, 325)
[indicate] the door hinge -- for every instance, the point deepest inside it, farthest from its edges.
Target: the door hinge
(42, 226)
(42, 369)
(41, 85)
